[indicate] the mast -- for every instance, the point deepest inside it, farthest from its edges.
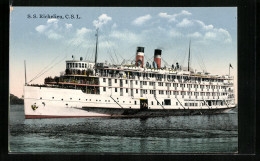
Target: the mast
(25, 72)
(189, 59)
(96, 48)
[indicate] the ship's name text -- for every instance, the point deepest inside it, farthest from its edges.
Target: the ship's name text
(66, 16)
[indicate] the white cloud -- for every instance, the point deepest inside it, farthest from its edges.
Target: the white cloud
(216, 34)
(210, 35)
(52, 20)
(206, 27)
(185, 23)
(53, 35)
(184, 12)
(195, 35)
(52, 30)
(126, 36)
(172, 18)
(68, 26)
(79, 37)
(174, 33)
(224, 35)
(102, 19)
(82, 31)
(141, 20)
(41, 28)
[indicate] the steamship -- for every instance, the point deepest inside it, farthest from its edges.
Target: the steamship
(91, 89)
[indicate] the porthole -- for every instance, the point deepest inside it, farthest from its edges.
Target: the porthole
(40, 98)
(86, 99)
(70, 98)
(52, 97)
(79, 98)
(62, 99)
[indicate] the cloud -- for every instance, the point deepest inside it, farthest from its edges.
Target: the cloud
(141, 20)
(41, 28)
(102, 19)
(224, 35)
(82, 31)
(184, 12)
(126, 36)
(185, 23)
(172, 18)
(220, 34)
(53, 35)
(175, 33)
(52, 20)
(79, 37)
(52, 29)
(210, 35)
(195, 35)
(206, 27)
(68, 26)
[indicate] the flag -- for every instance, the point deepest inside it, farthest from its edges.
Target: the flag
(230, 66)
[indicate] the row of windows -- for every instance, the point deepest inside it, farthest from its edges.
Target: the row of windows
(174, 84)
(170, 77)
(80, 65)
(191, 104)
(174, 92)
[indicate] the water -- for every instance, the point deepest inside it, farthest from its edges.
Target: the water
(176, 134)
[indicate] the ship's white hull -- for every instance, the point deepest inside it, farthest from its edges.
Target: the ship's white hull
(46, 102)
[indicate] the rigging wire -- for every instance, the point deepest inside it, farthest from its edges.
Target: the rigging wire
(42, 71)
(46, 70)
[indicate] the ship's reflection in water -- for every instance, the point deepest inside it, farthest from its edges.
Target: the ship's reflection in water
(178, 134)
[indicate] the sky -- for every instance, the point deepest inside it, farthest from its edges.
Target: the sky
(45, 43)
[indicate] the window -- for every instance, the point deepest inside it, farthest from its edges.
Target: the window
(115, 89)
(104, 89)
(104, 79)
(136, 90)
(126, 90)
(126, 81)
(136, 82)
(152, 102)
(76, 65)
(115, 80)
(79, 65)
(135, 102)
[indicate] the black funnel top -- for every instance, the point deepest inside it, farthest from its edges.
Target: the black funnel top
(157, 52)
(140, 49)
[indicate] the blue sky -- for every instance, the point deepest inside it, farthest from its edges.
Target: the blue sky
(42, 41)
